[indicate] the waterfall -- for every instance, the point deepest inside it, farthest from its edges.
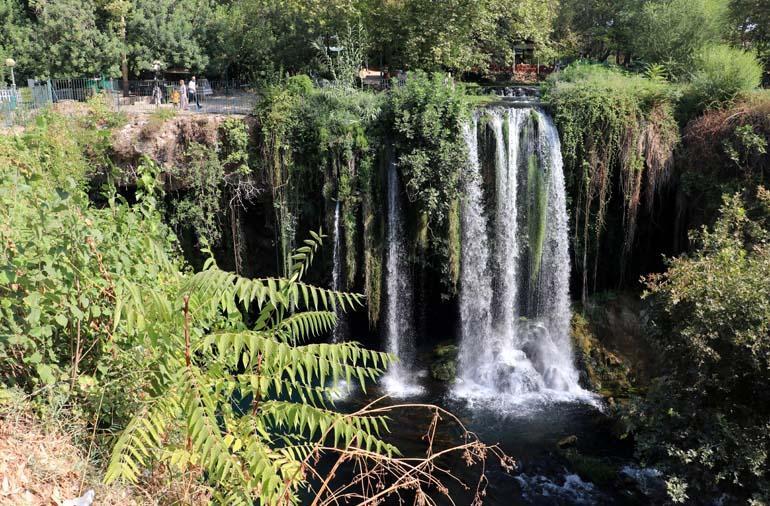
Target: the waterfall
(514, 284)
(399, 331)
(475, 282)
(340, 330)
(506, 240)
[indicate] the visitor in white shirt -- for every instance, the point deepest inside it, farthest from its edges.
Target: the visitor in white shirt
(192, 90)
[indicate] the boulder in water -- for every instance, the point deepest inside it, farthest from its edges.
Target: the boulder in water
(567, 441)
(444, 365)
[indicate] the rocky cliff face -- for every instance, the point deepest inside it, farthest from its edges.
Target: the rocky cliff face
(165, 138)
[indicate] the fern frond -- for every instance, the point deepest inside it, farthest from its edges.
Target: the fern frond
(319, 363)
(142, 438)
(274, 386)
(206, 363)
(343, 429)
(227, 289)
(203, 431)
(302, 326)
(302, 257)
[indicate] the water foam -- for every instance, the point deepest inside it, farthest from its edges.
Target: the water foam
(515, 348)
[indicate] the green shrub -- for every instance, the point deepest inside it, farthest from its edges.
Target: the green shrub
(706, 421)
(59, 261)
(425, 118)
(671, 32)
(300, 84)
(244, 403)
(723, 75)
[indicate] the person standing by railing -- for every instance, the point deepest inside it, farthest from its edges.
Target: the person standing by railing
(157, 95)
(192, 89)
(182, 95)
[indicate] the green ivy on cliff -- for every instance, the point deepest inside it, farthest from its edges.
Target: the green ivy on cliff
(332, 142)
(424, 121)
(618, 136)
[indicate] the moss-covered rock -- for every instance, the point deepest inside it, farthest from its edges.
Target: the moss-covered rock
(613, 365)
(593, 469)
(444, 364)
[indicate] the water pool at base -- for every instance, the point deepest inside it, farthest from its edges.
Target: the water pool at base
(529, 430)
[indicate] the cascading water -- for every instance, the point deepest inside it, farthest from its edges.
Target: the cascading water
(506, 240)
(475, 282)
(514, 292)
(399, 332)
(340, 330)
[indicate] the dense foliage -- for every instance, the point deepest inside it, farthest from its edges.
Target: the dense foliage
(107, 320)
(670, 33)
(336, 143)
(78, 38)
(58, 290)
(251, 38)
(723, 74)
(317, 142)
(706, 419)
(675, 32)
(425, 118)
(210, 376)
(247, 38)
(216, 181)
(242, 403)
(457, 34)
(618, 136)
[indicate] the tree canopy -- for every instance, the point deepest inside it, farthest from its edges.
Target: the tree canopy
(242, 38)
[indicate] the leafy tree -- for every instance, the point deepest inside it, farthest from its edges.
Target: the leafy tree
(261, 36)
(663, 32)
(595, 28)
(751, 19)
(420, 34)
(458, 34)
(240, 41)
(168, 31)
(15, 37)
(517, 22)
(674, 32)
(72, 39)
(706, 420)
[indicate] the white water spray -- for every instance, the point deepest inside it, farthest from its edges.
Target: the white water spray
(515, 345)
(475, 282)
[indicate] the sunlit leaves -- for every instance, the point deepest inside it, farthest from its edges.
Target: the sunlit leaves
(252, 400)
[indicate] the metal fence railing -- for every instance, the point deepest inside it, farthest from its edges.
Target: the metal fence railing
(79, 89)
(215, 97)
(18, 105)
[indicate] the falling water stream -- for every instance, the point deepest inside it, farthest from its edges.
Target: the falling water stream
(339, 333)
(514, 295)
(399, 330)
